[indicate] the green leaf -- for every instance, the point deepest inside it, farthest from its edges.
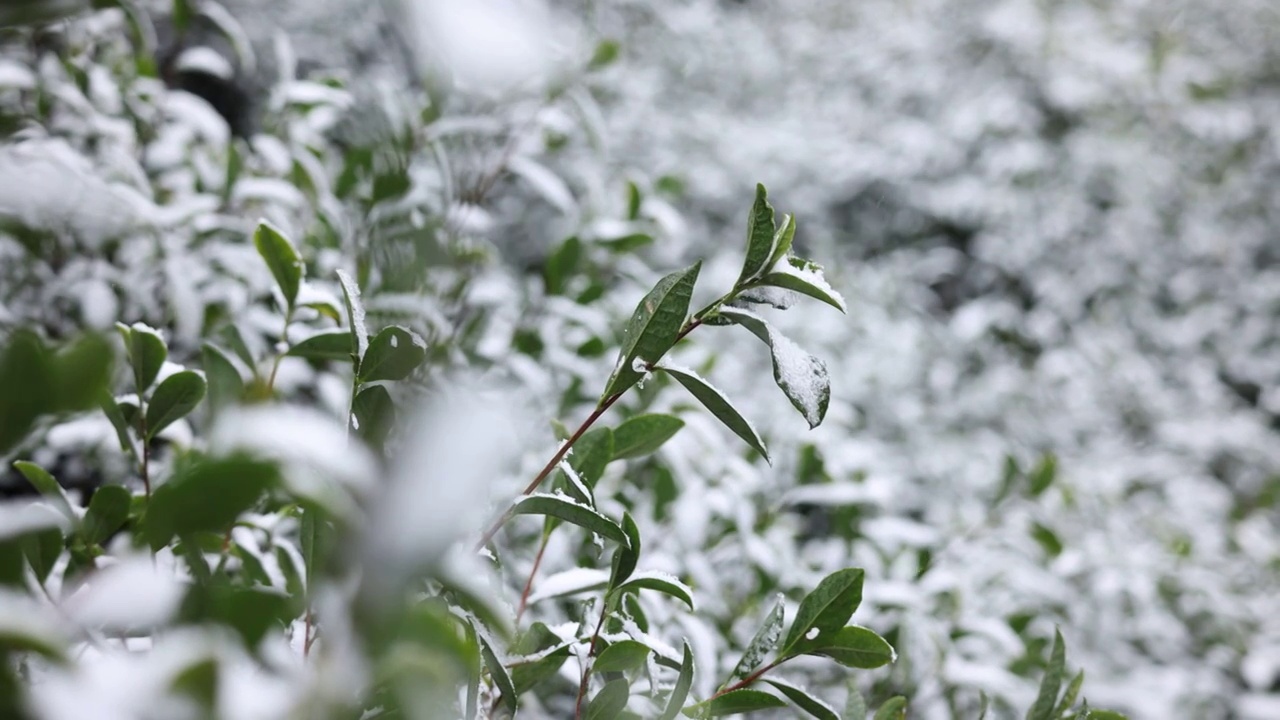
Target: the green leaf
(566, 509)
(355, 316)
(498, 672)
(282, 259)
(606, 53)
(1042, 476)
(250, 611)
(855, 707)
(765, 640)
(609, 702)
(115, 415)
(327, 345)
(46, 485)
(1106, 715)
(804, 700)
(621, 656)
(801, 376)
(626, 243)
(719, 405)
(1069, 697)
(561, 265)
(634, 199)
(643, 434)
(856, 647)
(660, 582)
(375, 415)
(782, 240)
(591, 454)
(177, 396)
(895, 708)
(226, 385)
(1047, 539)
(984, 704)
(680, 693)
(760, 238)
(653, 327)
(1047, 699)
(393, 355)
(804, 277)
(552, 652)
(146, 351)
(42, 550)
(108, 511)
(738, 701)
(826, 609)
(626, 556)
(82, 372)
(206, 496)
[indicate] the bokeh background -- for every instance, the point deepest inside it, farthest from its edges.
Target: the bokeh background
(1056, 223)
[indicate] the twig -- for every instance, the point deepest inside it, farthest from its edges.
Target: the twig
(528, 585)
(555, 460)
(586, 664)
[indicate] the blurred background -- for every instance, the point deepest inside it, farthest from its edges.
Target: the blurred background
(1056, 393)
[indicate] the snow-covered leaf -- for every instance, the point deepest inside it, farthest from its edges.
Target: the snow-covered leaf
(802, 377)
(565, 508)
(393, 354)
(764, 641)
(805, 277)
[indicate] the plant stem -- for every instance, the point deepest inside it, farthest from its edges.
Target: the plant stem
(528, 585)
(748, 679)
(275, 365)
(551, 465)
(586, 665)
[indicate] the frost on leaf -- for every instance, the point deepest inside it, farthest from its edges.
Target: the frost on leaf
(802, 377)
(355, 310)
(804, 276)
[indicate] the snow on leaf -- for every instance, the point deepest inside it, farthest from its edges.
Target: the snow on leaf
(804, 276)
(765, 640)
(355, 313)
(801, 376)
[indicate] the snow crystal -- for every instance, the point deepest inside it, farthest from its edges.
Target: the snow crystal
(395, 341)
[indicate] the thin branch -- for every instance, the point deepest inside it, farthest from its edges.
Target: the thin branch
(555, 461)
(586, 664)
(528, 585)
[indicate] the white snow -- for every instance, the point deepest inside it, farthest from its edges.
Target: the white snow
(133, 594)
(352, 291)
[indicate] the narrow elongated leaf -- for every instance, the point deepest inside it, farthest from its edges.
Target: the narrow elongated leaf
(108, 511)
(857, 647)
(561, 265)
(824, 610)
(539, 653)
(621, 656)
(805, 277)
(684, 681)
(328, 345)
(660, 582)
(498, 672)
(1042, 476)
(855, 707)
(1069, 697)
(1105, 715)
(282, 259)
(147, 353)
(355, 315)
(591, 454)
(609, 702)
(765, 640)
(783, 240)
(46, 485)
(804, 700)
(1047, 698)
(653, 327)
(895, 708)
(566, 509)
(115, 415)
(643, 434)
(626, 556)
(801, 376)
(715, 401)
(176, 397)
(760, 238)
(393, 355)
(738, 701)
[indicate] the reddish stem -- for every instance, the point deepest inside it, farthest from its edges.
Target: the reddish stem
(586, 666)
(555, 460)
(747, 680)
(528, 585)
